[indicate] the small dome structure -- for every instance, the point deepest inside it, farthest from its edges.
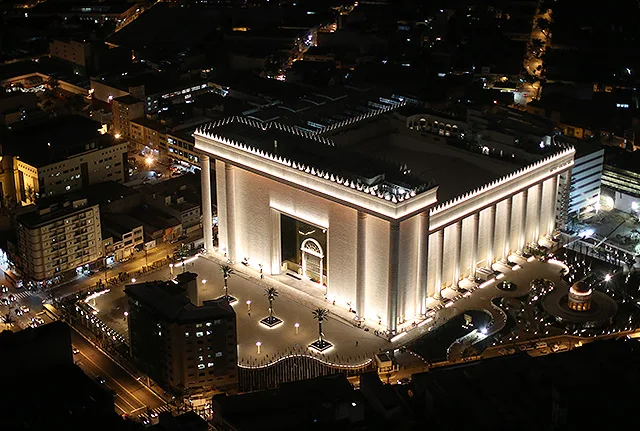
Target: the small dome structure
(579, 298)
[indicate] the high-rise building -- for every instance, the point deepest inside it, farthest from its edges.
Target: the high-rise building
(184, 344)
(59, 237)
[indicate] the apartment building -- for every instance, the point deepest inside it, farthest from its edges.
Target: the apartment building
(61, 155)
(124, 109)
(182, 343)
(59, 237)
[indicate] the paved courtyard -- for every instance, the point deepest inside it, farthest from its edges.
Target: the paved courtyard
(297, 299)
(352, 345)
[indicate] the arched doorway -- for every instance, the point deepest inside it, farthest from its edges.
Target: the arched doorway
(312, 260)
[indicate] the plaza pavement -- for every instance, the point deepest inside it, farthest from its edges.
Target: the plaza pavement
(297, 298)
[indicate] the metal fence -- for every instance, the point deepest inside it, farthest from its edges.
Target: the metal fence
(291, 368)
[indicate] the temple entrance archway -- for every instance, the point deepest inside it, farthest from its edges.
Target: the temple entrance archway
(312, 259)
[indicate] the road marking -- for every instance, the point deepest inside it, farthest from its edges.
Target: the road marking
(120, 408)
(88, 341)
(114, 380)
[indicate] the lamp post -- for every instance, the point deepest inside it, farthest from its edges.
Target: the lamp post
(248, 305)
(258, 345)
(297, 326)
(133, 280)
(171, 268)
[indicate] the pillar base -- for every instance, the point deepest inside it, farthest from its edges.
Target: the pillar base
(320, 345)
(271, 322)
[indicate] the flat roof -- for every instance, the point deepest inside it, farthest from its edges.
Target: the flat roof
(320, 153)
(117, 225)
(454, 170)
(51, 209)
(171, 301)
(56, 139)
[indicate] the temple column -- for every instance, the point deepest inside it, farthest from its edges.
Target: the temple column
(439, 262)
(231, 211)
(507, 229)
(475, 219)
(392, 297)
(423, 262)
(491, 236)
(207, 212)
(536, 238)
(457, 244)
(554, 204)
(522, 242)
(361, 250)
(276, 249)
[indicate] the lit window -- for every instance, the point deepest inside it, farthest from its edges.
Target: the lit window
(208, 332)
(218, 354)
(199, 334)
(208, 323)
(186, 334)
(210, 364)
(200, 358)
(201, 366)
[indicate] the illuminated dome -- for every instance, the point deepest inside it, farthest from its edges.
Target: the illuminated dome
(579, 298)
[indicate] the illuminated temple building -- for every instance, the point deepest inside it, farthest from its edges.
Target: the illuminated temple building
(382, 235)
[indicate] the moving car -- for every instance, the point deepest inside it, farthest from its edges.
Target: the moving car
(75, 350)
(101, 380)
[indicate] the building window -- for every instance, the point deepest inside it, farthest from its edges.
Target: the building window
(218, 354)
(199, 334)
(201, 366)
(210, 364)
(186, 334)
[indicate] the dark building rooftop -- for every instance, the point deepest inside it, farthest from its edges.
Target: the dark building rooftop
(36, 361)
(50, 209)
(55, 139)
(170, 300)
(527, 393)
(306, 404)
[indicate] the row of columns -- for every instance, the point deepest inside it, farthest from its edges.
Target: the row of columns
(491, 234)
(228, 224)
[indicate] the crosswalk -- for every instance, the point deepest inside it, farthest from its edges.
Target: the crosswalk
(23, 294)
(146, 414)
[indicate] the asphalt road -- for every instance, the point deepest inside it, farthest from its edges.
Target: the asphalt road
(131, 396)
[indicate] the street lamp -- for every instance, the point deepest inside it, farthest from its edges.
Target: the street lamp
(204, 281)
(297, 326)
(133, 280)
(258, 345)
(607, 277)
(149, 161)
(248, 305)
(171, 268)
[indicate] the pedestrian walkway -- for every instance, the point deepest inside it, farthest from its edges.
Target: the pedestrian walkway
(24, 294)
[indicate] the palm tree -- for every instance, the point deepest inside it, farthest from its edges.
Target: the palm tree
(320, 314)
(271, 293)
(226, 273)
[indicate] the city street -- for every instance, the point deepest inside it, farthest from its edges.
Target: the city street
(132, 397)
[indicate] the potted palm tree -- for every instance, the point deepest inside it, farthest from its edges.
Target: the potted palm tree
(271, 293)
(320, 314)
(226, 273)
